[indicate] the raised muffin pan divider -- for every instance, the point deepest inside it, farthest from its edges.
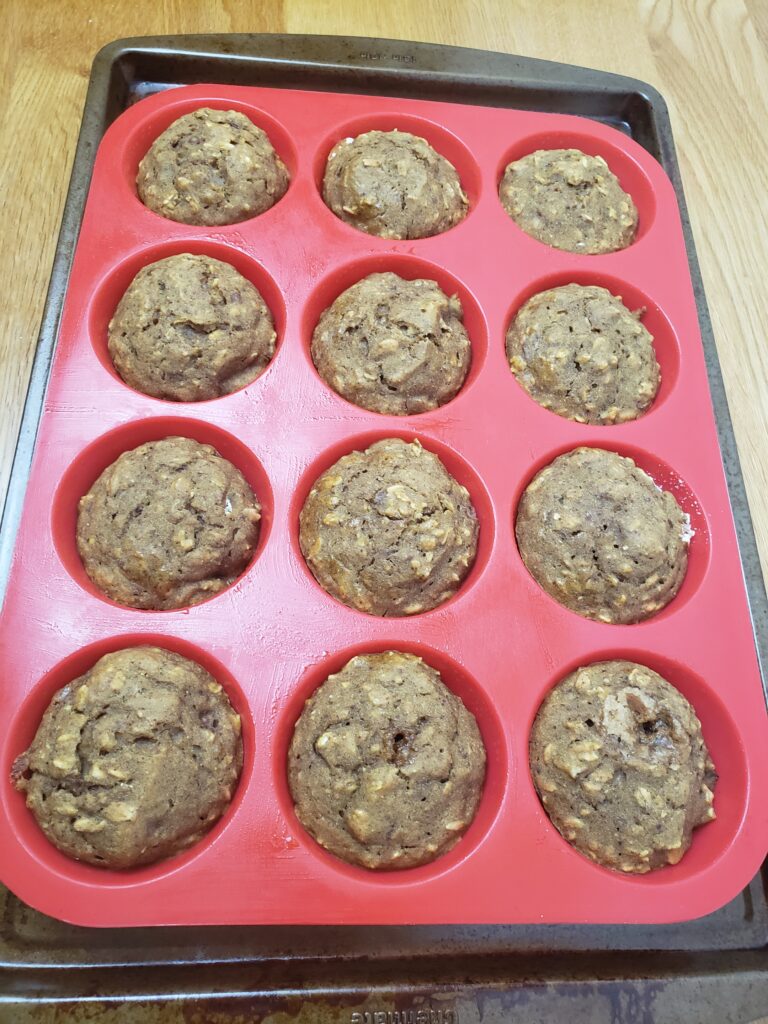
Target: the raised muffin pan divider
(501, 641)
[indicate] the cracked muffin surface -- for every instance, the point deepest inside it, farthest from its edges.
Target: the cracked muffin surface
(394, 185)
(386, 765)
(388, 530)
(596, 533)
(211, 167)
(620, 764)
(393, 346)
(134, 761)
(579, 352)
(569, 200)
(168, 524)
(190, 328)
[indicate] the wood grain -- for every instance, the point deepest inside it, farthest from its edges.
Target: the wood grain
(708, 57)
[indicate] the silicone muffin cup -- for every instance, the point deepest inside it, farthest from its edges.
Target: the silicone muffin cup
(500, 643)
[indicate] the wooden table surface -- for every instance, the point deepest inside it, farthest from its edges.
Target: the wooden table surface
(709, 59)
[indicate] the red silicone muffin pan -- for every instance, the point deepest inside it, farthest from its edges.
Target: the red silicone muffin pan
(501, 643)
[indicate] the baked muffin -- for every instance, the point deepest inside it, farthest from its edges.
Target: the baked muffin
(211, 167)
(394, 185)
(578, 351)
(569, 200)
(389, 531)
(133, 761)
(190, 328)
(393, 346)
(386, 765)
(621, 767)
(598, 535)
(168, 524)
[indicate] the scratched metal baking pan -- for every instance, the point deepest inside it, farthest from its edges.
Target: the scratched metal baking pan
(713, 971)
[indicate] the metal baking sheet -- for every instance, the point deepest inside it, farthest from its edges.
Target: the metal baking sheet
(711, 970)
